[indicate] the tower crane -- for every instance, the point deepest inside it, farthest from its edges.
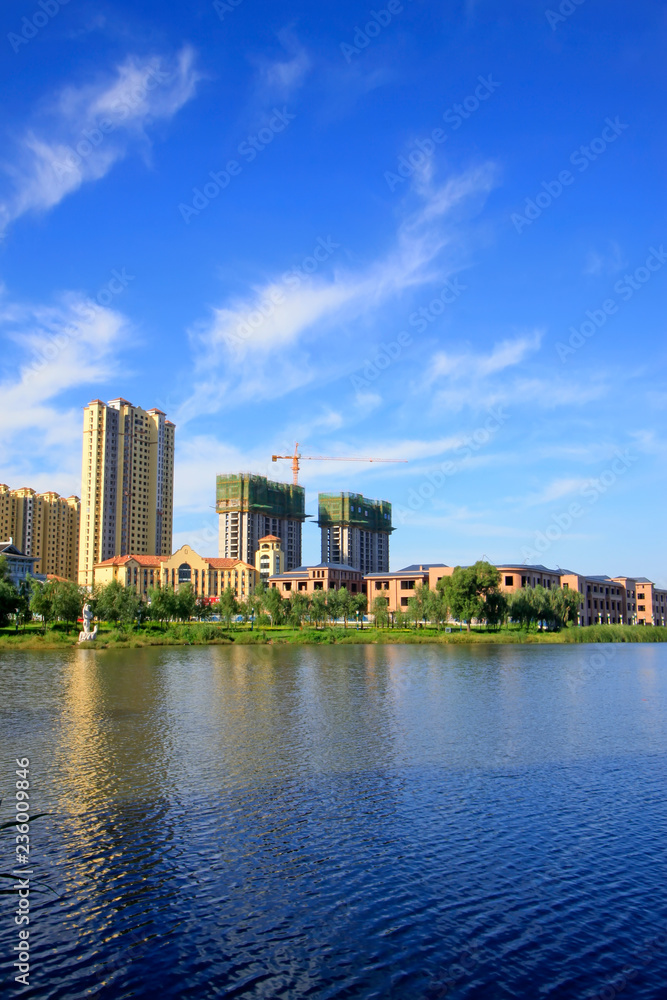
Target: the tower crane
(296, 458)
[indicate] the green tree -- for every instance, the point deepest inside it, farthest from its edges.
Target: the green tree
(41, 602)
(565, 605)
(418, 604)
(227, 606)
(318, 608)
(466, 591)
(380, 612)
(495, 608)
(68, 600)
(245, 608)
(9, 602)
(163, 605)
(531, 605)
(186, 602)
(297, 609)
(117, 604)
(274, 605)
(129, 606)
(23, 612)
(346, 604)
(401, 619)
(203, 609)
(360, 605)
(9, 595)
(436, 609)
(334, 605)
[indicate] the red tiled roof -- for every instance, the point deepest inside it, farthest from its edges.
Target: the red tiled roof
(270, 538)
(143, 560)
(216, 563)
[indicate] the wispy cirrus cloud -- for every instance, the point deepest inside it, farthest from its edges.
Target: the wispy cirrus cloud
(480, 364)
(87, 129)
(262, 350)
(282, 76)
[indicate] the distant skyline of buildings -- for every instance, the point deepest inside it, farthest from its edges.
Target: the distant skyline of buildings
(122, 528)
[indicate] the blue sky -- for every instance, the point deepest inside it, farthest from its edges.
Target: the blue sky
(433, 232)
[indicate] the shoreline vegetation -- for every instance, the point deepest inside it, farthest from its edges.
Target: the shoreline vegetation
(211, 634)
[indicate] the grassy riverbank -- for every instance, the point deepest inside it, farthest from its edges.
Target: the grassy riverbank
(212, 634)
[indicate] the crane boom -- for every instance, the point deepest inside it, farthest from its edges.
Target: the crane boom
(296, 458)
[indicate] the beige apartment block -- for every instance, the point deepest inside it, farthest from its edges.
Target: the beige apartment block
(127, 484)
(604, 599)
(399, 586)
(44, 526)
(646, 604)
(208, 576)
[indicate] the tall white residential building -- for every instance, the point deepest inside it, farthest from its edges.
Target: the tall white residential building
(127, 484)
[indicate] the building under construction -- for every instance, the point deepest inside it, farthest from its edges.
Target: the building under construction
(355, 531)
(250, 507)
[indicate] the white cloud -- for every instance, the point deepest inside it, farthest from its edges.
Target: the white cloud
(280, 78)
(255, 337)
(605, 263)
(90, 128)
(478, 364)
(556, 490)
(63, 347)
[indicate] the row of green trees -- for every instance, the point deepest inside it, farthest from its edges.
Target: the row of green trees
(473, 593)
(59, 600)
(469, 594)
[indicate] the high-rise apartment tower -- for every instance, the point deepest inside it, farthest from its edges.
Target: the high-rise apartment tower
(127, 484)
(250, 507)
(355, 531)
(42, 525)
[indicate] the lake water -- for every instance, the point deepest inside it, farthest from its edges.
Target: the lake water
(341, 822)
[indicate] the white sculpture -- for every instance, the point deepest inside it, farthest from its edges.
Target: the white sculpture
(87, 635)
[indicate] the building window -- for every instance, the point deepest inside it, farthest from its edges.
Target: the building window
(509, 581)
(407, 584)
(404, 602)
